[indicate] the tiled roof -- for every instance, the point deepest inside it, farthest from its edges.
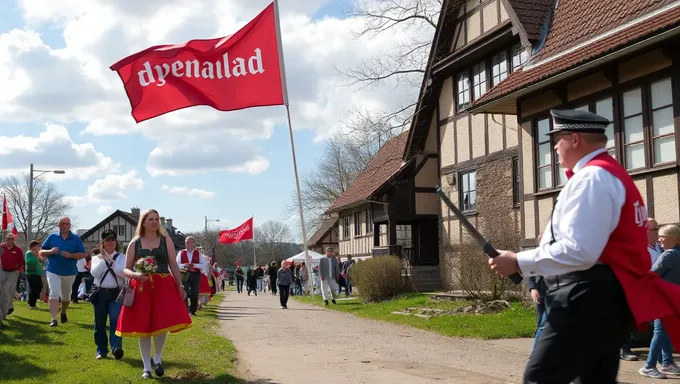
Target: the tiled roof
(589, 52)
(532, 14)
(323, 230)
(386, 163)
(575, 21)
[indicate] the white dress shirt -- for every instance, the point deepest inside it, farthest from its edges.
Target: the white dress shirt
(81, 265)
(99, 269)
(586, 213)
(202, 261)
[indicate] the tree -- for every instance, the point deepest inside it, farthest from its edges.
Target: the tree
(344, 158)
(404, 66)
(49, 205)
(270, 238)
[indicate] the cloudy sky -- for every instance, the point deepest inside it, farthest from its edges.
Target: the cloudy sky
(62, 107)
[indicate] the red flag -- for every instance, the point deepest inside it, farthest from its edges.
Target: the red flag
(239, 71)
(242, 232)
(6, 214)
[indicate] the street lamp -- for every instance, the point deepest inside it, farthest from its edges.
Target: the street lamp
(29, 226)
(206, 222)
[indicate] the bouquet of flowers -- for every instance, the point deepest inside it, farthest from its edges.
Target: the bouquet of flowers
(146, 265)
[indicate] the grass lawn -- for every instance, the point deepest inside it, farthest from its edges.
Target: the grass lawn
(517, 321)
(32, 352)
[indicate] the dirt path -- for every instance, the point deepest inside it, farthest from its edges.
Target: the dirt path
(341, 348)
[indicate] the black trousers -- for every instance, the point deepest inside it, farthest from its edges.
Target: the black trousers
(76, 284)
(284, 291)
(191, 287)
(586, 324)
(274, 285)
(540, 309)
(35, 286)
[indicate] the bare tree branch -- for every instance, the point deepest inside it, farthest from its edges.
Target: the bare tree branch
(49, 205)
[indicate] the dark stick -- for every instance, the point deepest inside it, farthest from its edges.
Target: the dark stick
(483, 243)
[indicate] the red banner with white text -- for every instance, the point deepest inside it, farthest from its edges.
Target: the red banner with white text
(240, 233)
(243, 70)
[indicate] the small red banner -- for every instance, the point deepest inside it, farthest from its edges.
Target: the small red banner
(240, 233)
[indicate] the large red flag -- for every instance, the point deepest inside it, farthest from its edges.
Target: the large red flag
(242, 232)
(239, 71)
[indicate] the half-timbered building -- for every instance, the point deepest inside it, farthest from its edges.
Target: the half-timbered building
(617, 58)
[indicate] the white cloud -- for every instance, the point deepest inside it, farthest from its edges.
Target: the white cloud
(191, 192)
(98, 33)
(110, 188)
(105, 210)
(52, 149)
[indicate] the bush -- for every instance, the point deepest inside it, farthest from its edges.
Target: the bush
(378, 278)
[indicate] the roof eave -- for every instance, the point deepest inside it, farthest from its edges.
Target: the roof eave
(513, 96)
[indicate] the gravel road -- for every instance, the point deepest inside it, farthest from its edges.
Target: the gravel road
(274, 345)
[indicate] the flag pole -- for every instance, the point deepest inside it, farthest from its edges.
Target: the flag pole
(308, 261)
(254, 254)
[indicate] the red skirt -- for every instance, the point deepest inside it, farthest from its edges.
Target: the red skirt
(205, 286)
(157, 308)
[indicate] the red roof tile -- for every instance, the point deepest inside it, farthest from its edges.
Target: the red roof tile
(532, 75)
(323, 230)
(386, 163)
(575, 21)
(532, 14)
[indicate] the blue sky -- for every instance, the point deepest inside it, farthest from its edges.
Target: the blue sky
(57, 75)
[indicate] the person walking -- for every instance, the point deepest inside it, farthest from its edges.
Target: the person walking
(284, 277)
(158, 306)
(240, 276)
(594, 260)
(34, 273)
(12, 262)
(329, 271)
(62, 250)
(108, 273)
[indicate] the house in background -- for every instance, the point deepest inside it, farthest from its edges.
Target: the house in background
(382, 213)
(619, 59)
(325, 236)
(477, 45)
(124, 224)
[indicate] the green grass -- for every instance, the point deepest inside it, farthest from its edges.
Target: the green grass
(517, 321)
(32, 352)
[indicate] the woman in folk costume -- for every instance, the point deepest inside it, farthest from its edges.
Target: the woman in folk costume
(204, 289)
(158, 305)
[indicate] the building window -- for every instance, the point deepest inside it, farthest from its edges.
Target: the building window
(345, 228)
(633, 129)
(479, 80)
(544, 160)
(357, 224)
(519, 57)
(369, 221)
(515, 181)
(463, 99)
(499, 68)
(404, 237)
(119, 230)
(468, 191)
(663, 129)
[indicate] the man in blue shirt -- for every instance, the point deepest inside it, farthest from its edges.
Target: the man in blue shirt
(63, 250)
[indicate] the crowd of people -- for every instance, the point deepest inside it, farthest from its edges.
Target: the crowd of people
(329, 277)
(136, 300)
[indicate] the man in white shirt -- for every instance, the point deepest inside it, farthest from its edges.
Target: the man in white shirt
(191, 262)
(588, 317)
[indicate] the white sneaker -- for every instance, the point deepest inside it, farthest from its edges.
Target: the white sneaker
(671, 369)
(652, 373)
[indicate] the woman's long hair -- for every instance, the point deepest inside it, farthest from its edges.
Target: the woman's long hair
(140, 225)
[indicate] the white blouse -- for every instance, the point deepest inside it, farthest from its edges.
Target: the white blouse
(98, 270)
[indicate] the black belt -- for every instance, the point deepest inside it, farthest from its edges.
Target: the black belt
(109, 289)
(599, 272)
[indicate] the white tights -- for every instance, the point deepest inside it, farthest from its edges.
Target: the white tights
(145, 349)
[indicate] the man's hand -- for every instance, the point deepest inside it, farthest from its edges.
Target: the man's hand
(66, 255)
(54, 250)
(505, 264)
(535, 296)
